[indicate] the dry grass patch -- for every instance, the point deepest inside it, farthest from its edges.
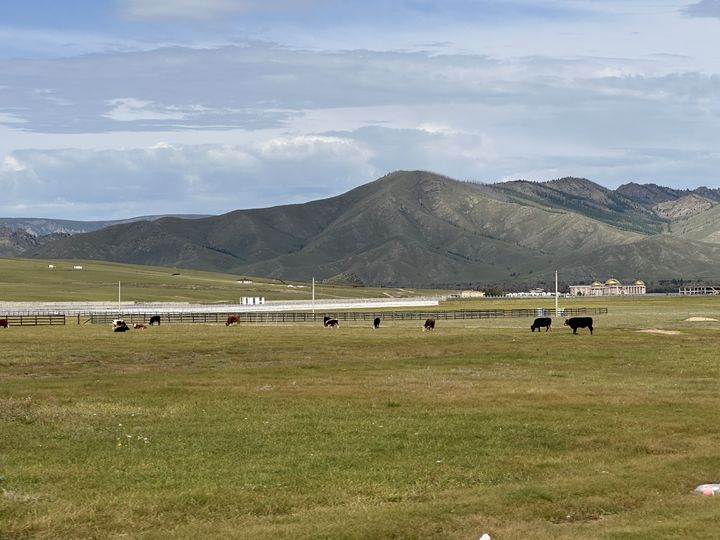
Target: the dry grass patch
(660, 332)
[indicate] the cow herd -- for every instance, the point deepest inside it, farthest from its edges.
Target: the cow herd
(572, 322)
(119, 325)
(540, 322)
(330, 322)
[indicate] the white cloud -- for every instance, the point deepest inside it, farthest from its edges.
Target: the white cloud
(10, 118)
(131, 110)
(164, 178)
(202, 9)
(260, 87)
(611, 98)
(304, 147)
(704, 8)
(12, 164)
(214, 178)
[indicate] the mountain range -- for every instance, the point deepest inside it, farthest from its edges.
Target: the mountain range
(44, 226)
(416, 228)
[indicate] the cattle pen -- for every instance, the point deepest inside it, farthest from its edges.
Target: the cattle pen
(293, 317)
(283, 313)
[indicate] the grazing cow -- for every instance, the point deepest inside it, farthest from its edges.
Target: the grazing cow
(4, 323)
(118, 325)
(429, 325)
(232, 319)
(139, 326)
(579, 322)
(155, 319)
(329, 322)
(541, 322)
(376, 322)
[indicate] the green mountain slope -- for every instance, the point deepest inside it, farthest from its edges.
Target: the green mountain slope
(586, 198)
(651, 258)
(704, 226)
(405, 228)
(414, 228)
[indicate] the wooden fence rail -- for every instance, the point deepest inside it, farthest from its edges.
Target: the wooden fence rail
(34, 320)
(308, 317)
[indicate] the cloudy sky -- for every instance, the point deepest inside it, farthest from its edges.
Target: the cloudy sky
(117, 108)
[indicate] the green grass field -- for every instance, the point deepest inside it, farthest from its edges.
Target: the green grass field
(304, 432)
(32, 280)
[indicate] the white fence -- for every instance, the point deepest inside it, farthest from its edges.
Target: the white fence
(88, 308)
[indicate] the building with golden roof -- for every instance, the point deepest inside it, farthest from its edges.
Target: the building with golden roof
(611, 287)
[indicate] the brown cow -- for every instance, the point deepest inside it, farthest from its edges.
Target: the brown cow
(232, 319)
(139, 326)
(4, 323)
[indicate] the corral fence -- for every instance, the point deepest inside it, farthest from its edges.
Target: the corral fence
(290, 317)
(35, 319)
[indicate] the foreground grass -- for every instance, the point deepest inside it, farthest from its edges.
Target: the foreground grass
(291, 432)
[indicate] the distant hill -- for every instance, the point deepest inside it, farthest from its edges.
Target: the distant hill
(18, 235)
(17, 241)
(45, 226)
(417, 228)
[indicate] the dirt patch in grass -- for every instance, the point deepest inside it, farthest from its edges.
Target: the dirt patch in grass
(700, 319)
(661, 332)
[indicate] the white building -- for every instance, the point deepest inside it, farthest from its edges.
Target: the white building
(472, 294)
(612, 287)
(252, 300)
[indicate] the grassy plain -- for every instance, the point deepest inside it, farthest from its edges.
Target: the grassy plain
(305, 432)
(98, 281)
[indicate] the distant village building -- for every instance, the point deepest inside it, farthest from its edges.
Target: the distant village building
(252, 300)
(472, 294)
(531, 293)
(537, 291)
(700, 290)
(612, 287)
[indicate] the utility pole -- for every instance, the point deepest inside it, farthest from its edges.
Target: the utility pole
(313, 297)
(556, 295)
(119, 308)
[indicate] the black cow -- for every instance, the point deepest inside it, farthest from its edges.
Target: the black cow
(541, 322)
(155, 319)
(329, 322)
(579, 322)
(376, 322)
(429, 325)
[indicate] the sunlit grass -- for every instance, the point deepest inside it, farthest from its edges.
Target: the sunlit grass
(305, 432)
(32, 280)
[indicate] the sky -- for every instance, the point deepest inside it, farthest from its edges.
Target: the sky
(117, 108)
